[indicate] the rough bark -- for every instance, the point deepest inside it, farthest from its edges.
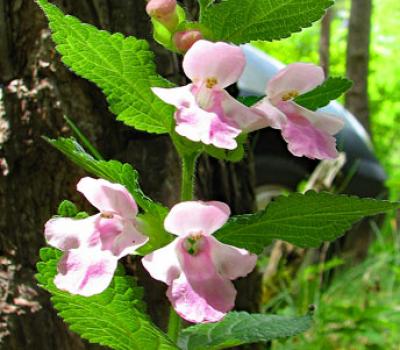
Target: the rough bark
(358, 58)
(325, 41)
(37, 91)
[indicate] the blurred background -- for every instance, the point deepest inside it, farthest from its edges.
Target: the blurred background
(354, 283)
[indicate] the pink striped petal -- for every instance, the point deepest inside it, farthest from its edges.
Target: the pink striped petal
(190, 305)
(108, 197)
(201, 294)
(246, 118)
(306, 140)
(163, 264)
(231, 262)
(85, 271)
(296, 78)
(206, 61)
(196, 216)
(179, 97)
(119, 237)
(273, 116)
(67, 233)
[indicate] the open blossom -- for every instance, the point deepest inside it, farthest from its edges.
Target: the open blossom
(197, 268)
(307, 133)
(93, 245)
(205, 111)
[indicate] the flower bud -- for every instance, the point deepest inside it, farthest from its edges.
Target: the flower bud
(163, 11)
(184, 40)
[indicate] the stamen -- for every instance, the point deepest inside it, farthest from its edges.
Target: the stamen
(193, 243)
(106, 215)
(211, 82)
(290, 95)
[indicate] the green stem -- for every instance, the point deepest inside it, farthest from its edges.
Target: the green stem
(187, 186)
(188, 170)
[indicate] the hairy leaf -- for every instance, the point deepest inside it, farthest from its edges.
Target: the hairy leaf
(240, 21)
(330, 90)
(123, 67)
(239, 328)
(116, 318)
(305, 220)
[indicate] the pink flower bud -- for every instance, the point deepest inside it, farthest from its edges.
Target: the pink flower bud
(184, 40)
(163, 11)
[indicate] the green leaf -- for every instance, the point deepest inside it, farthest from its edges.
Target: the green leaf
(123, 67)
(67, 209)
(240, 21)
(234, 156)
(114, 318)
(123, 174)
(305, 220)
(239, 328)
(250, 101)
(330, 90)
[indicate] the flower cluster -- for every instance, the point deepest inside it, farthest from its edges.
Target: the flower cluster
(197, 268)
(206, 112)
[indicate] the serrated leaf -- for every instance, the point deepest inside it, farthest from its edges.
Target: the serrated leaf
(330, 90)
(124, 174)
(114, 318)
(239, 328)
(240, 21)
(123, 67)
(305, 220)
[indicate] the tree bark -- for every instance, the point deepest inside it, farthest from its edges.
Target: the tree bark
(37, 91)
(358, 58)
(325, 41)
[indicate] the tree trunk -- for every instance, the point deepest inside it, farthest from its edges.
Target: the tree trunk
(358, 58)
(325, 41)
(37, 91)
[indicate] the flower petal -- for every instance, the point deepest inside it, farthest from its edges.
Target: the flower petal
(120, 237)
(67, 233)
(220, 61)
(304, 139)
(297, 77)
(231, 262)
(201, 294)
(178, 97)
(163, 264)
(108, 197)
(199, 125)
(196, 216)
(190, 305)
(85, 271)
(327, 122)
(246, 118)
(274, 117)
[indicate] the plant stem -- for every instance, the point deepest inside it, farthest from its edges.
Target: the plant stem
(187, 186)
(188, 170)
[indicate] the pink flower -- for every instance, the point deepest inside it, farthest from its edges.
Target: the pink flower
(205, 111)
(93, 245)
(197, 268)
(307, 133)
(163, 11)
